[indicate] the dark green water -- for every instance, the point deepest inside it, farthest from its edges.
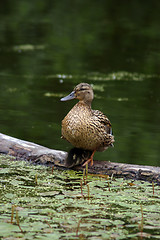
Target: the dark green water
(47, 47)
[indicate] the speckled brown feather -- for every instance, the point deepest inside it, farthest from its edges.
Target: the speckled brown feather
(85, 128)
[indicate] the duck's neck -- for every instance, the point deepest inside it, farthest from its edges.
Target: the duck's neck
(86, 103)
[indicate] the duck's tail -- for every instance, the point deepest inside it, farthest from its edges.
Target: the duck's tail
(111, 140)
(77, 156)
(108, 143)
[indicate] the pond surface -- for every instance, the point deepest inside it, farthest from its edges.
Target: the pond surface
(46, 48)
(36, 203)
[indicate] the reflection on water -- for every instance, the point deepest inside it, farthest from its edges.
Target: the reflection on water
(48, 48)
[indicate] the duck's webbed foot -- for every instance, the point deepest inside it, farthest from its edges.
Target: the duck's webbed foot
(90, 160)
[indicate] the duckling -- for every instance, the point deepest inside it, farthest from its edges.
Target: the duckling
(86, 129)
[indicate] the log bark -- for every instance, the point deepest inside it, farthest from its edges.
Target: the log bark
(37, 154)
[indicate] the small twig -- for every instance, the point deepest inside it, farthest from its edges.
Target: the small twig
(88, 192)
(36, 182)
(78, 227)
(84, 176)
(12, 213)
(17, 219)
(48, 223)
(81, 188)
(52, 169)
(109, 186)
(86, 171)
(111, 176)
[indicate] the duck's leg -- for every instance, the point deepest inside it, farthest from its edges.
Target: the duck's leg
(90, 160)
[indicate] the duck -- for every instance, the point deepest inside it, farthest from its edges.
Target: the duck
(86, 129)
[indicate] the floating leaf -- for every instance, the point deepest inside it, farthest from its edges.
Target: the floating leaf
(52, 208)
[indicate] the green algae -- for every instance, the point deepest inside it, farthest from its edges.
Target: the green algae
(58, 206)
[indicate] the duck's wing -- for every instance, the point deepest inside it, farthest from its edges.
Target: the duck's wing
(102, 118)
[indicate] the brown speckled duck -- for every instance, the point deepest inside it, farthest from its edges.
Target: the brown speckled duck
(86, 129)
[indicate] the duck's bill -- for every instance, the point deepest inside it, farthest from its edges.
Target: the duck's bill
(69, 97)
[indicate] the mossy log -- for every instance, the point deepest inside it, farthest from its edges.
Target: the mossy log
(34, 153)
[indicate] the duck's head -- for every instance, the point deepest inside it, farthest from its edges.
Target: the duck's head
(82, 92)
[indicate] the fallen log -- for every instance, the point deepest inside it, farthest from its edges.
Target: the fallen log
(37, 154)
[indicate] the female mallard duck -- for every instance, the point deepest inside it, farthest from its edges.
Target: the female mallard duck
(84, 128)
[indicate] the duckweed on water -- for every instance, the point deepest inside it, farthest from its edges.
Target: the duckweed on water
(36, 204)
